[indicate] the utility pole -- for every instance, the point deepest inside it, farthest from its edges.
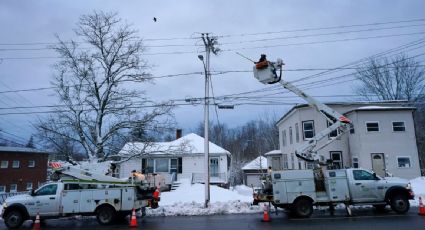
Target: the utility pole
(209, 43)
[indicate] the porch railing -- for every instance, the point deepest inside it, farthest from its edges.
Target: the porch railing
(214, 178)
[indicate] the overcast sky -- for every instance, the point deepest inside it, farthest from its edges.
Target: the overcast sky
(248, 27)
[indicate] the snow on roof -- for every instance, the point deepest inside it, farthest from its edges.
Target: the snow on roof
(384, 108)
(20, 150)
(273, 152)
(258, 163)
(188, 144)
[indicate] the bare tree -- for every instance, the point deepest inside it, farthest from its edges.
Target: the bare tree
(401, 78)
(93, 83)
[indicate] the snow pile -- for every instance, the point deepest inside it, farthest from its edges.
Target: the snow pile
(418, 186)
(188, 200)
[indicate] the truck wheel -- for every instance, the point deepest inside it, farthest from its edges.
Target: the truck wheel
(14, 219)
(303, 208)
(105, 215)
(400, 204)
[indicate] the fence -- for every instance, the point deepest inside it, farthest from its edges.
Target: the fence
(4, 196)
(214, 178)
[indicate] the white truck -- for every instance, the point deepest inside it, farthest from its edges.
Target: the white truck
(80, 192)
(299, 190)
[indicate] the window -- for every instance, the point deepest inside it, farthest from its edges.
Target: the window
(333, 133)
(351, 129)
(362, 175)
(4, 164)
(372, 126)
(162, 165)
(72, 187)
(336, 158)
(285, 161)
(2, 189)
(13, 188)
(31, 163)
(29, 186)
(147, 165)
(297, 133)
(355, 162)
(15, 164)
(290, 135)
(403, 162)
(173, 166)
(398, 126)
(284, 138)
(308, 129)
(47, 190)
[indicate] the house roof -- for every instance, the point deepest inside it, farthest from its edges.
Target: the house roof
(359, 103)
(188, 144)
(258, 163)
(273, 152)
(20, 150)
(381, 108)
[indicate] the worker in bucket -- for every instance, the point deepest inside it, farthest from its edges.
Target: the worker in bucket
(262, 63)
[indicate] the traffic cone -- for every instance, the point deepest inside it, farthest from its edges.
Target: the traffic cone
(421, 207)
(36, 225)
(266, 217)
(133, 220)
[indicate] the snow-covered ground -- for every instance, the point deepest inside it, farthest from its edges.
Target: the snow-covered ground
(188, 200)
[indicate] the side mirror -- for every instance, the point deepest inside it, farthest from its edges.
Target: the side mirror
(375, 177)
(32, 193)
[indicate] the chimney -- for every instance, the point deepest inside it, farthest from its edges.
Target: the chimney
(178, 133)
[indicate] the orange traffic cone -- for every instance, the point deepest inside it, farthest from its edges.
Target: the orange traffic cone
(36, 225)
(133, 220)
(421, 207)
(266, 217)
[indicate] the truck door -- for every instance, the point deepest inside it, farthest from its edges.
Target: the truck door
(47, 200)
(363, 186)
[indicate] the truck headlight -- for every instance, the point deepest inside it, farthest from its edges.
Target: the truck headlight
(409, 186)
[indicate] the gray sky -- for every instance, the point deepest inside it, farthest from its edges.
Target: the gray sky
(38, 21)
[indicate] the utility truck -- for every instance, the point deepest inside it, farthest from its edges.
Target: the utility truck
(299, 190)
(76, 191)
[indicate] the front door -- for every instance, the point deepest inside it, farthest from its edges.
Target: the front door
(46, 200)
(378, 164)
(364, 188)
(214, 167)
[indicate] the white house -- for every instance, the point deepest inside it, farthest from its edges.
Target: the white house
(253, 171)
(382, 138)
(178, 159)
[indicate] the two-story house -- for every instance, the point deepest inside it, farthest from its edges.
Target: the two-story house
(382, 138)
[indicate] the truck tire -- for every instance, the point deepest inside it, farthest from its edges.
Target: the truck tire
(399, 203)
(14, 219)
(303, 208)
(105, 215)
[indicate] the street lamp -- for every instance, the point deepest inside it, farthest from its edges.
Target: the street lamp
(206, 128)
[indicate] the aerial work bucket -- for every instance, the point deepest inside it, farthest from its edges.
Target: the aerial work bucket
(266, 71)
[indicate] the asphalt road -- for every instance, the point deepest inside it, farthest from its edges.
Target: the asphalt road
(364, 219)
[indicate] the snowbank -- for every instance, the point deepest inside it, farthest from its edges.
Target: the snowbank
(188, 200)
(418, 187)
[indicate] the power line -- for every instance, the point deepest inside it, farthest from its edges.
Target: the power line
(321, 28)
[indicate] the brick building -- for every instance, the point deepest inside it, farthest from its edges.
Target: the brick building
(21, 169)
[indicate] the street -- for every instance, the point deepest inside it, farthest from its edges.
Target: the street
(363, 219)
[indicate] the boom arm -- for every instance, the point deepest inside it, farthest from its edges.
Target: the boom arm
(266, 74)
